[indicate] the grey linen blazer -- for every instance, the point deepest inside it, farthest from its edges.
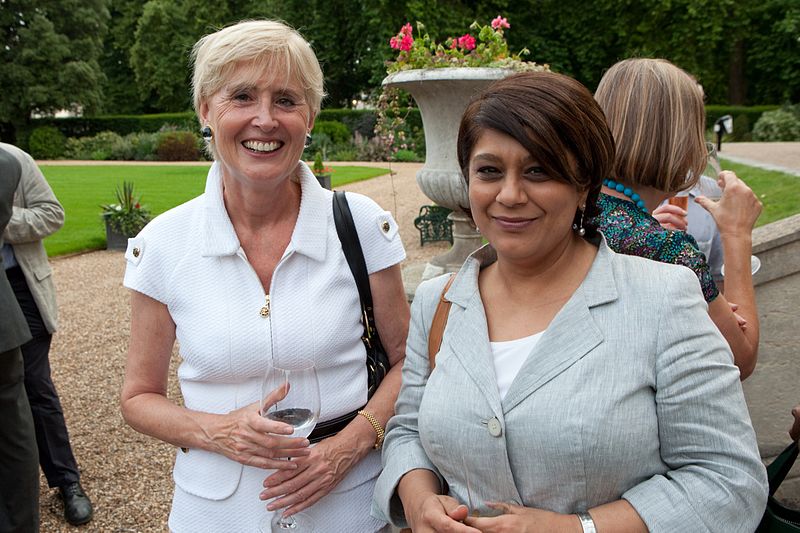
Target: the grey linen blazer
(37, 214)
(630, 393)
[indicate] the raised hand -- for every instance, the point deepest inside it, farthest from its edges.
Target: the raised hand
(737, 209)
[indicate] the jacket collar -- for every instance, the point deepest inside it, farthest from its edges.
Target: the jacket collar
(310, 235)
(572, 333)
(599, 286)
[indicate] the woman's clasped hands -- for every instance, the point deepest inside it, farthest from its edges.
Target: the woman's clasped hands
(252, 440)
(440, 513)
(316, 475)
(429, 511)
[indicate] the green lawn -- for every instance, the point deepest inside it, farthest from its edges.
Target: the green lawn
(81, 190)
(779, 192)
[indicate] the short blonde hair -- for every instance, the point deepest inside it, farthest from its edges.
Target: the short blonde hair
(268, 45)
(656, 114)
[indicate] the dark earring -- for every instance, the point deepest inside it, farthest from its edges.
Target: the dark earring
(207, 133)
(308, 140)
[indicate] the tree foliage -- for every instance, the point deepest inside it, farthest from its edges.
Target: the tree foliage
(742, 51)
(50, 56)
(57, 54)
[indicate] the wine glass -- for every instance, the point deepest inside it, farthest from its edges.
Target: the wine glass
(300, 409)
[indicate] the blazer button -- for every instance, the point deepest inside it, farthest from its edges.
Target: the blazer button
(495, 429)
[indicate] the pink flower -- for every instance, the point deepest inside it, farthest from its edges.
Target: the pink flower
(453, 43)
(406, 43)
(403, 40)
(467, 42)
(500, 22)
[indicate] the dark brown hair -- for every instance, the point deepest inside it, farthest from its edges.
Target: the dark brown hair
(556, 119)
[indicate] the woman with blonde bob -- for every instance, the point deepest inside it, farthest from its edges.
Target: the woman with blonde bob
(252, 273)
(655, 112)
(549, 408)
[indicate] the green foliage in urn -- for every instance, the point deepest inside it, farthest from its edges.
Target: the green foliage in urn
(127, 215)
(481, 46)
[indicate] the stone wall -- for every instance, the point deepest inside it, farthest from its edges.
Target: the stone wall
(774, 387)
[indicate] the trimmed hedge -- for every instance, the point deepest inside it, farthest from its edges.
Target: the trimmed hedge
(121, 124)
(359, 122)
(46, 142)
(744, 118)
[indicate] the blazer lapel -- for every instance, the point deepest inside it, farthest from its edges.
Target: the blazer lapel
(467, 333)
(468, 339)
(571, 335)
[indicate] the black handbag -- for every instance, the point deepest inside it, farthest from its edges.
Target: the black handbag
(377, 359)
(779, 518)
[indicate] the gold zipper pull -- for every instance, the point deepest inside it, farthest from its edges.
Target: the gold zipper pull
(265, 310)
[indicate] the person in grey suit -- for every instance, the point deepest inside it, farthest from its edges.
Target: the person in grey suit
(575, 389)
(19, 467)
(36, 215)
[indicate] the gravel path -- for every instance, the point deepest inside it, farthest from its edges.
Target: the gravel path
(781, 156)
(128, 475)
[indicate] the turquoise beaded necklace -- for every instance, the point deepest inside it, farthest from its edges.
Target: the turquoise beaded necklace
(627, 191)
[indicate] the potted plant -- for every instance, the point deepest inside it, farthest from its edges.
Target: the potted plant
(442, 77)
(125, 218)
(322, 172)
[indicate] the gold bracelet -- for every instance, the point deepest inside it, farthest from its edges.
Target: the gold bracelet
(376, 426)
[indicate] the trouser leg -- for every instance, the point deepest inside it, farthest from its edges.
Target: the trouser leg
(55, 453)
(19, 469)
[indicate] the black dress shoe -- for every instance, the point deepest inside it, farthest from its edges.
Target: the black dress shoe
(77, 507)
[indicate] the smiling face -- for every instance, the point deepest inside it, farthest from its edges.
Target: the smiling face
(260, 122)
(524, 214)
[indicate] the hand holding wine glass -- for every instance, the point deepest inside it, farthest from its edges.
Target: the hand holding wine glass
(290, 393)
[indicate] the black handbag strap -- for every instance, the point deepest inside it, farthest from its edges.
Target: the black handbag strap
(351, 246)
(779, 468)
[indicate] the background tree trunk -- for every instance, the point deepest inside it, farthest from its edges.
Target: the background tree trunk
(737, 84)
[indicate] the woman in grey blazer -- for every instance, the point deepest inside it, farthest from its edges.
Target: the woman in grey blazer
(575, 388)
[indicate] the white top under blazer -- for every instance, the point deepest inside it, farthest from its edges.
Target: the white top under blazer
(190, 259)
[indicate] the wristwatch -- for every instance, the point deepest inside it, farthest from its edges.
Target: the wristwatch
(586, 522)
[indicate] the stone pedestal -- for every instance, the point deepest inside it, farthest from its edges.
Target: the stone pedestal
(774, 388)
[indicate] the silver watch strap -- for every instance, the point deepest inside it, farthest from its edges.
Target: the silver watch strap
(586, 522)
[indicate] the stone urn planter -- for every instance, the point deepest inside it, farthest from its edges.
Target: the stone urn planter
(114, 239)
(442, 94)
(324, 180)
